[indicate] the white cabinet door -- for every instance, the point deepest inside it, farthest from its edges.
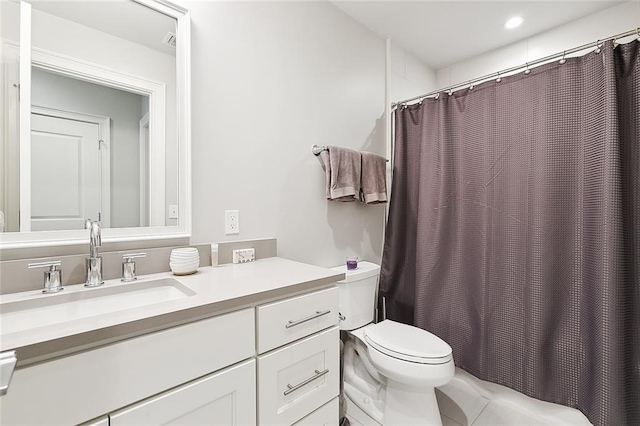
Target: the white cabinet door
(224, 398)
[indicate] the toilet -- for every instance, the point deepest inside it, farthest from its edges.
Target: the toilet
(391, 369)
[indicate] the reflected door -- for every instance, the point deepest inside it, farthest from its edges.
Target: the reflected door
(66, 176)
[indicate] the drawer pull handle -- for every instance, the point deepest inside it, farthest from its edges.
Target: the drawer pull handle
(318, 314)
(8, 361)
(306, 382)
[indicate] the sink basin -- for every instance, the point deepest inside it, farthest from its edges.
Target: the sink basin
(46, 309)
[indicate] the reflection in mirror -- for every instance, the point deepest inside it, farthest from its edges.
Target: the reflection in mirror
(9, 88)
(103, 125)
(88, 154)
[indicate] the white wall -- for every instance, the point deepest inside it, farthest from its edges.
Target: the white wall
(408, 76)
(270, 79)
(125, 111)
(609, 22)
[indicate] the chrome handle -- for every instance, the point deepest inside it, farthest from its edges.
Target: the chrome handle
(293, 323)
(52, 277)
(128, 256)
(341, 317)
(129, 266)
(306, 382)
(8, 361)
(50, 263)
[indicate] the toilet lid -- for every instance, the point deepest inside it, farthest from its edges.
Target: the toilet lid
(408, 343)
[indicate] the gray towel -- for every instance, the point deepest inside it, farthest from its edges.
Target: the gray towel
(342, 171)
(374, 178)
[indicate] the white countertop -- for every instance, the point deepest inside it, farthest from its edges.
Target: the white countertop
(218, 289)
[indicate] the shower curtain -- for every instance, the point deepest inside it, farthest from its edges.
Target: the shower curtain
(514, 230)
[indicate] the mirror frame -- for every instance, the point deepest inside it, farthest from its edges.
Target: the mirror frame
(13, 240)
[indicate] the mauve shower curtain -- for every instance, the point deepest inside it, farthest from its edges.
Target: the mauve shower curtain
(514, 230)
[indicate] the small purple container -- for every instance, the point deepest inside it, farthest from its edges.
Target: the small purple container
(352, 263)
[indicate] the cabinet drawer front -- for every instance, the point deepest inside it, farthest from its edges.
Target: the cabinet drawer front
(226, 398)
(102, 421)
(295, 380)
(105, 379)
(327, 415)
(285, 321)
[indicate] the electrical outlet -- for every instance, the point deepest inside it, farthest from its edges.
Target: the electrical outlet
(231, 222)
(173, 211)
(244, 255)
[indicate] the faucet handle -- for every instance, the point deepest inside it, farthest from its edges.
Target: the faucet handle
(52, 277)
(129, 266)
(128, 256)
(89, 222)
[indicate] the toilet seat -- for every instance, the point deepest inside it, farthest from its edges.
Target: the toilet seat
(407, 343)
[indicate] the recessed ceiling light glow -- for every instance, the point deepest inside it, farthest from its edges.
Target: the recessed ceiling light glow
(514, 22)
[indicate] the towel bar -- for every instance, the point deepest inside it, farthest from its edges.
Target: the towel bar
(317, 149)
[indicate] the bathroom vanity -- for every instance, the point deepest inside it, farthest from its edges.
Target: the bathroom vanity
(254, 343)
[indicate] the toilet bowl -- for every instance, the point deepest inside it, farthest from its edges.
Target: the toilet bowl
(390, 369)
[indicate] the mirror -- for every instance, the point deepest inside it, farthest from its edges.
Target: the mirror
(105, 134)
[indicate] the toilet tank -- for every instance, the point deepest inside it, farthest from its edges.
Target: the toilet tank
(357, 294)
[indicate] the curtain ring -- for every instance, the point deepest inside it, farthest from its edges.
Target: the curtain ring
(471, 87)
(638, 32)
(499, 79)
(437, 96)
(598, 50)
(450, 91)
(563, 60)
(527, 71)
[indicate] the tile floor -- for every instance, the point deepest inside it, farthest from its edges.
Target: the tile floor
(468, 401)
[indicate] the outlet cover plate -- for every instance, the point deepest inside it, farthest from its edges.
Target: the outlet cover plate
(173, 211)
(231, 222)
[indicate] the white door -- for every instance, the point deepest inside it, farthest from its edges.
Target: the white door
(66, 175)
(225, 398)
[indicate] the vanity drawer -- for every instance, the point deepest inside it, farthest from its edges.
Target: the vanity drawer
(296, 380)
(285, 321)
(327, 415)
(102, 380)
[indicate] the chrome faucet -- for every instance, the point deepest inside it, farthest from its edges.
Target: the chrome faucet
(94, 262)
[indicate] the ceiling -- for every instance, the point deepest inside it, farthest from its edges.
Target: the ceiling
(124, 19)
(441, 33)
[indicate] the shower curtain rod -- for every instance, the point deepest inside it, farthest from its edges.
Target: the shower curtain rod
(470, 83)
